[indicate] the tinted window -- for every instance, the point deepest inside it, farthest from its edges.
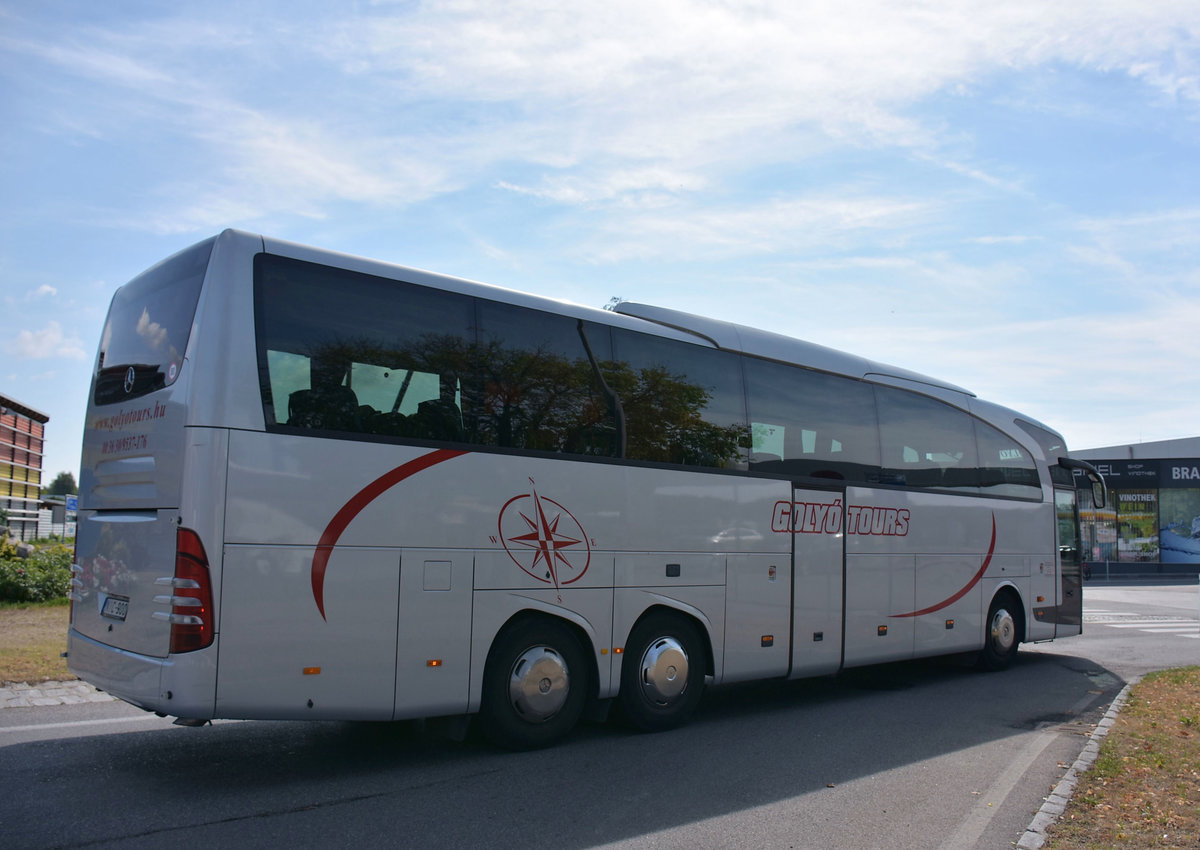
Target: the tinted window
(1051, 444)
(811, 424)
(1005, 466)
(537, 386)
(148, 327)
(1053, 448)
(347, 352)
(682, 403)
(925, 443)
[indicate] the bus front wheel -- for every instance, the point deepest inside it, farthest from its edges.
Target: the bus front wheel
(1001, 636)
(534, 685)
(662, 674)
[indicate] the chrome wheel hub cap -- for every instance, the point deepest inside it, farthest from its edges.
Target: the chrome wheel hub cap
(1003, 630)
(539, 684)
(664, 671)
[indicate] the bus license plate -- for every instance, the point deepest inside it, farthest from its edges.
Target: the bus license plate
(115, 608)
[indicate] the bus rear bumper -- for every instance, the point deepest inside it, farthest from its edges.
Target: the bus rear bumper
(155, 684)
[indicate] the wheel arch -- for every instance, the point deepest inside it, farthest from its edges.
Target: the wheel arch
(574, 623)
(1011, 592)
(660, 609)
(1004, 630)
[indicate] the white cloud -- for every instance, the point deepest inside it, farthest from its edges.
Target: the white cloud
(404, 102)
(92, 60)
(690, 232)
(1139, 254)
(813, 149)
(1003, 240)
(647, 182)
(687, 76)
(50, 341)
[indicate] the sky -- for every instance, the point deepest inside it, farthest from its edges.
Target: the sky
(1002, 195)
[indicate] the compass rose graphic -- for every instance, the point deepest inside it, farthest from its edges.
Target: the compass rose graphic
(544, 539)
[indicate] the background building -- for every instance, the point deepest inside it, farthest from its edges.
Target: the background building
(1152, 523)
(21, 432)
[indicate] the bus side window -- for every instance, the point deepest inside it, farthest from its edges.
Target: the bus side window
(1006, 468)
(337, 346)
(537, 386)
(684, 404)
(926, 443)
(823, 426)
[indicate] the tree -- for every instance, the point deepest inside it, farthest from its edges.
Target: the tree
(62, 485)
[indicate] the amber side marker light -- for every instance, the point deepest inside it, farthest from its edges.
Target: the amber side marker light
(434, 662)
(312, 671)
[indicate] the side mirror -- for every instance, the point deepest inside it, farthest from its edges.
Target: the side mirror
(1099, 489)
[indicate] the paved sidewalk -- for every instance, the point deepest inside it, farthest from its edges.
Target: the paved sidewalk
(22, 695)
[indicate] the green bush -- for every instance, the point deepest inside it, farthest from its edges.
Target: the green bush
(44, 575)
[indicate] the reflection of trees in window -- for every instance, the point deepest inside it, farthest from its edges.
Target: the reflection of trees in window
(684, 403)
(406, 361)
(665, 419)
(533, 399)
(540, 400)
(346, 352)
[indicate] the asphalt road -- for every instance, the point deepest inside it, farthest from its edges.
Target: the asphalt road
(925, 754)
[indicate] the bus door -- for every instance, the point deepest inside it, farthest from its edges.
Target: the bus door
(1056, 588)
(1070, 588)
(818, 568)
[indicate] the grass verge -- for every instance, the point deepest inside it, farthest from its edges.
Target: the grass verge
(33, 636)
(1144, 788)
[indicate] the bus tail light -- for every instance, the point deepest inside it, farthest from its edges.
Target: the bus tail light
(191, 615)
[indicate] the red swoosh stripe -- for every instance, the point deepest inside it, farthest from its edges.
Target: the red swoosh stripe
(974, 581)
(355, 506)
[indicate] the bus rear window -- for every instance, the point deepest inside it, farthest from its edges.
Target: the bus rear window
(148, 325)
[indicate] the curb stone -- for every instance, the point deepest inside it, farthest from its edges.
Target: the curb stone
(1056, 803)
(25, 695)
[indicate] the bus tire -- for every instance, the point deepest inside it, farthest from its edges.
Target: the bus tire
(1001, 636)
(535, 685)
(662, 674)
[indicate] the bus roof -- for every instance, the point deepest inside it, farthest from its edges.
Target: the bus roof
(775, 346)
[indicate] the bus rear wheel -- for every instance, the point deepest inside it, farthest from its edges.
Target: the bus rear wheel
(534, 685)
(1001, 636)
(662, 674)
